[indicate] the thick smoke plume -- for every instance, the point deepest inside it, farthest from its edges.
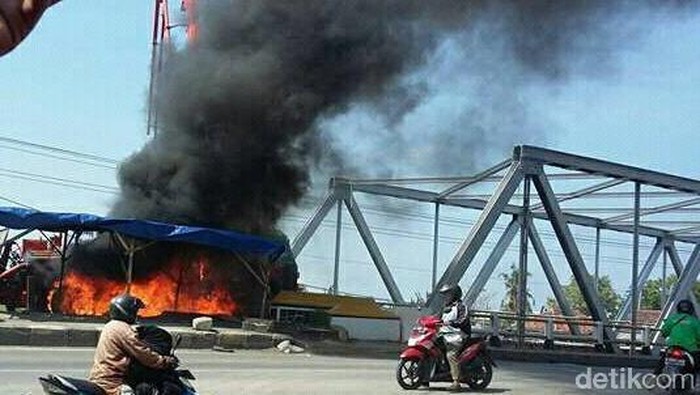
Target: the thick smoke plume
(272, 89)
(240, 109)
(276, 92)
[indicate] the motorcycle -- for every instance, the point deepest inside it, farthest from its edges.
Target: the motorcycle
(141, 379)
(424, 359)
(679, 370)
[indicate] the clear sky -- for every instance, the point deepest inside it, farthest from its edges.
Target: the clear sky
(80, 82)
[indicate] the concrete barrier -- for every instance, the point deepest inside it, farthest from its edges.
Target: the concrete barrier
(82, 338)
(15, 336)
(230, 341)
(196, 340)
(49, 337)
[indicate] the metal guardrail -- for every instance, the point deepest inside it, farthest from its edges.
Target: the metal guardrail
(491, 323)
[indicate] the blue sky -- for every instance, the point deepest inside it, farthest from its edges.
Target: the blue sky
(80, 82)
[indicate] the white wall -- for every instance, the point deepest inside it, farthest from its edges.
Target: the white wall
(408, 316)
(370, 328)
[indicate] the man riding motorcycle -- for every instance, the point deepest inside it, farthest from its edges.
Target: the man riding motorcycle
(455, 330)
(119, 345)
(682, 329)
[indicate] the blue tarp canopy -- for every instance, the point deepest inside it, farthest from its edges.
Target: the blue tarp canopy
(21, 218)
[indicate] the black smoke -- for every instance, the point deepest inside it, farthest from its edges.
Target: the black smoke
(275, 92)
(250, 110)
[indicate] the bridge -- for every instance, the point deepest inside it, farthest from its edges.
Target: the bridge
(655, 201)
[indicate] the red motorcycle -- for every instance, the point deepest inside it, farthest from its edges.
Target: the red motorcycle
(424, 360)
(678, 370)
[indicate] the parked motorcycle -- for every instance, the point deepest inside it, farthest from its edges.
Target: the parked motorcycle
(424, 360)
(679, 370)
(141, 379)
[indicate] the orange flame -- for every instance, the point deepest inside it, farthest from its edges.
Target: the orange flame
(173, 289)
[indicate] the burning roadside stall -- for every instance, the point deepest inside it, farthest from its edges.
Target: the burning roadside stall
(190, 282)
(174, 269)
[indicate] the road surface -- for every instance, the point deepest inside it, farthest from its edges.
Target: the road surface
(269, 372)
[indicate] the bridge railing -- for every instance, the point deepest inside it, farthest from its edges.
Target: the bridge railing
(553, 329)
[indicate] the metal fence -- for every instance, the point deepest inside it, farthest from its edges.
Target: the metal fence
(551, 330)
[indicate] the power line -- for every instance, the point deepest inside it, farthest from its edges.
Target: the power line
(44, 179)
(67, 159)
(59, 150)
(15, 202)
(27, 174)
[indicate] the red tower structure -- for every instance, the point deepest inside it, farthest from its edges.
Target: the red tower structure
(189, 7)
(161, 46)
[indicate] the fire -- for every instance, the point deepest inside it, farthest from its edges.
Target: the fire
(202, 274)
(181, 287)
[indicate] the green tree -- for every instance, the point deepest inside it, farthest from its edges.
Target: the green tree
(511, 279)
(611, 300)
(651, 293)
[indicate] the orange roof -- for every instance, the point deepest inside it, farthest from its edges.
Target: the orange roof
(339, 306)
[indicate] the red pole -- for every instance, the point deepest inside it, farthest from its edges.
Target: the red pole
(192, 28)
(165, 31)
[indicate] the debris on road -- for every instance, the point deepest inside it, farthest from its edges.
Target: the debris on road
(287, 347)
(203, 324)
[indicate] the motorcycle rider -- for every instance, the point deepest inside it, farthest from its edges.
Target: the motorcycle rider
(118, 346)
(682, 330)
(456, 328)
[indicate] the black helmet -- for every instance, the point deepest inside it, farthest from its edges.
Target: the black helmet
(125, 308)
(685, 306)
(451, 292)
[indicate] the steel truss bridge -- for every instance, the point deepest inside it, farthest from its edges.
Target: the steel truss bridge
(657, 199)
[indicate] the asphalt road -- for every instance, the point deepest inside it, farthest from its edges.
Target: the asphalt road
(269, 372)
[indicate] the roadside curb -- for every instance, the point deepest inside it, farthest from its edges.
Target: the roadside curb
(57, 336)
(229, 339)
